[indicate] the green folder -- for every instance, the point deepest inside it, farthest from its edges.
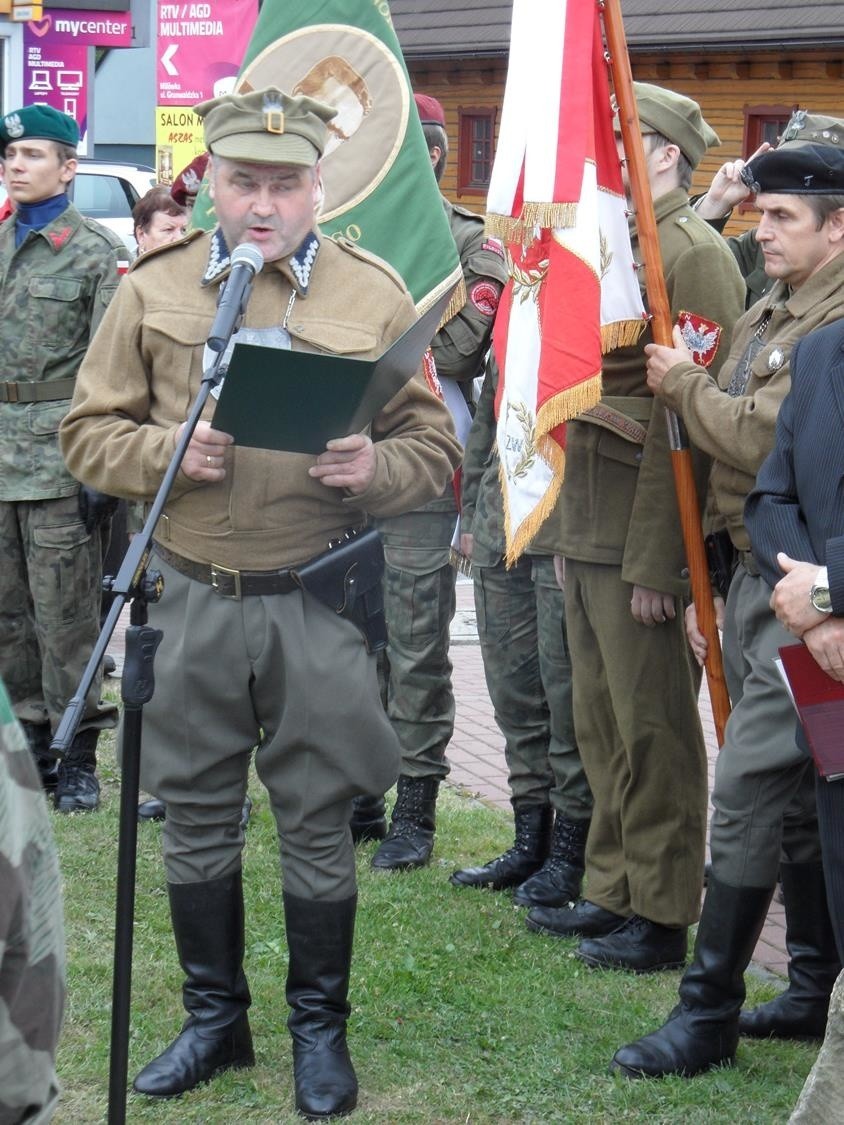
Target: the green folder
(273, 398)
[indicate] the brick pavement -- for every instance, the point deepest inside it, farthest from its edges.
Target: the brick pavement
(476, 751)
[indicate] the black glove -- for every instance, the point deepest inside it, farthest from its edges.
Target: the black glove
(95, 508)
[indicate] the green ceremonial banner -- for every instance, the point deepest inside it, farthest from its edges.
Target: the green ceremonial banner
(380, 190)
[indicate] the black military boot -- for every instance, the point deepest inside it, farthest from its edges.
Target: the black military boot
(208, 927)
(526, 856)
(369, 821)
(800, 1011)
(319, 941)
(39, 737)
(559, 879)
(702, 1031)
(77, 787)
(410, 840)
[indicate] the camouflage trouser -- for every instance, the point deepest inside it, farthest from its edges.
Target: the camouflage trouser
(419, 602)
(522, 630)
(50, 579)
(32, 948)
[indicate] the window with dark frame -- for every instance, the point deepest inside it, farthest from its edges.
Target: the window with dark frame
(762, 123)
(475, 149)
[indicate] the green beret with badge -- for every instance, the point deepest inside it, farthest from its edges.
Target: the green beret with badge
(266, 127)
(675, 117)
(38, 122)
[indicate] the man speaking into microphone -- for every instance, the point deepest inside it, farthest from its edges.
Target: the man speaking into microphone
(248, 657)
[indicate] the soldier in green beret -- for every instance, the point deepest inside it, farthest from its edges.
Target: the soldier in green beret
(635, 692)
(250, 656)
(765, 817)
(58, 272)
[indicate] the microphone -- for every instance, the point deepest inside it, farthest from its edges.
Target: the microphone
(247, 261)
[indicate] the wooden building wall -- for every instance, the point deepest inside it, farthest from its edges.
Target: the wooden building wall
(724, 84)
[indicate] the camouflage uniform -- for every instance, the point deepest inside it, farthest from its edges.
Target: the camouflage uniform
(32, 953)
(522, 631)
(54, 289)
(419, 581)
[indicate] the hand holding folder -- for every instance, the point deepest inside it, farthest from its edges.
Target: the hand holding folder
(273, 398)
(819, 701)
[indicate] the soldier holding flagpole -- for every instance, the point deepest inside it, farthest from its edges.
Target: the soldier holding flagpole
(635, 694)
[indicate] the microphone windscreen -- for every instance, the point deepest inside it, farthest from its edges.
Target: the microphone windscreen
(248, 255)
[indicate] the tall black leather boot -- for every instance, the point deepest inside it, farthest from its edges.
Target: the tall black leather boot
(410, 840)
(39, 737)
(319, 940)
(559, 879)
(368, 821)
(208, 927)
(800, 1011)
(702, 1031)
(77, 787)
(526, 856)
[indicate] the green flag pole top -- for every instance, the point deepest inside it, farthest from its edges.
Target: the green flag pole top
(380, 190)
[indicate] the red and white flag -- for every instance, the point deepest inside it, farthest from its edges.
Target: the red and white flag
(556, 200)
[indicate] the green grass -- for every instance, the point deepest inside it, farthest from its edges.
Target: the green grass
(460, 1015)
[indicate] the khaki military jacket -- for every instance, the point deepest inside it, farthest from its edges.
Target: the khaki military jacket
(619, 504)
(738, 433)
(54, 290)
(143, 372)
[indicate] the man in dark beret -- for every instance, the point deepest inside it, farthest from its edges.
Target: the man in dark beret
(58, 272)
(728, 190)
(765, 816)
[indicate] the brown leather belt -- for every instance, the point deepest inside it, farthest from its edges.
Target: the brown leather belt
(230, 583)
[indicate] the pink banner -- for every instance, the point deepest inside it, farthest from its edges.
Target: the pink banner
(83, 29)
(201, 48)
(56, 75)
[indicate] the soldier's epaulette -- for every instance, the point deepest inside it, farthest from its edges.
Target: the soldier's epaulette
(366, 256)
(114, 240)
(191, 236)
(467, 213)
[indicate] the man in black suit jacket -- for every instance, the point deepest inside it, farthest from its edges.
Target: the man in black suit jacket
(795, 517)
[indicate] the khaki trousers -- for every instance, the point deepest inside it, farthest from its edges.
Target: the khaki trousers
(638, 729)
(283, 675)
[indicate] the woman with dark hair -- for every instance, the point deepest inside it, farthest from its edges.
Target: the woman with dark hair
(158, 219)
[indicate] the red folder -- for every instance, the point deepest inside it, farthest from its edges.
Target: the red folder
(820, 704)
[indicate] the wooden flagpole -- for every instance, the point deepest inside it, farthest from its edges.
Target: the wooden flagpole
(681, 460)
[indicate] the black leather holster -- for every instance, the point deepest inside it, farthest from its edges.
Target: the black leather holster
(348, 578)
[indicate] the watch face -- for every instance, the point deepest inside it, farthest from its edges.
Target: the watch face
(821, 599)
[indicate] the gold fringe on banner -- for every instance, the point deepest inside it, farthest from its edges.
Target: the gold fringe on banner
(506, 228)
(621, 334)
(455, 281)
(460, 562)
(549, 215)
(527, 530)
(568, 404)
(458, 300)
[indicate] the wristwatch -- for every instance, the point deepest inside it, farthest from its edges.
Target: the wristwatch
(820, 598)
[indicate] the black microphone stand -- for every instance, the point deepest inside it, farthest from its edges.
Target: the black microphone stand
(135, 584)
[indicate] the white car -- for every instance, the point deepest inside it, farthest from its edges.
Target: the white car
(107, 191)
